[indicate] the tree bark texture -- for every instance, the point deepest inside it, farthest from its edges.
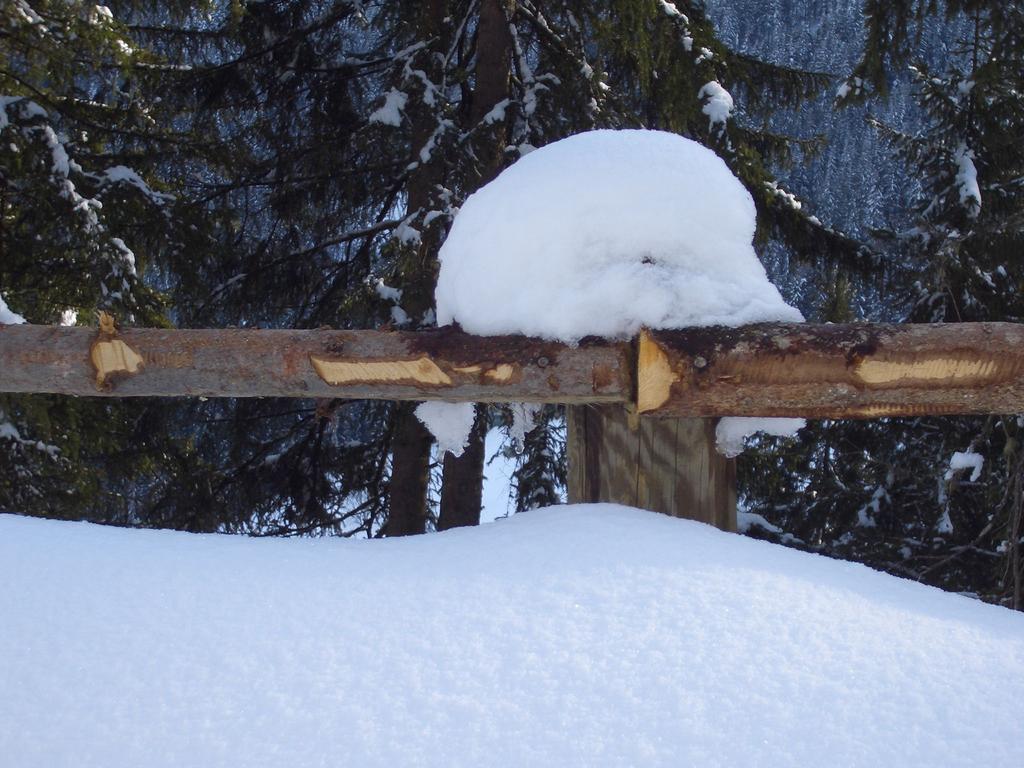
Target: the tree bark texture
(410, 459)
(462, 488)
(492, 75)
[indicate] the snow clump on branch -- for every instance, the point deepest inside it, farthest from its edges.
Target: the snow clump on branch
(7, 315)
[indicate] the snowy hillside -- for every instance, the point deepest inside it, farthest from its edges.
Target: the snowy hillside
(856, 183)
(592, 635)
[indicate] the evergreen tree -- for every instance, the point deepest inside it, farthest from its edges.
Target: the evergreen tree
(539, 479)
(887, 492)
(83, 220)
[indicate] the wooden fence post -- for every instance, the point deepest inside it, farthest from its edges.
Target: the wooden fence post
(665, 465)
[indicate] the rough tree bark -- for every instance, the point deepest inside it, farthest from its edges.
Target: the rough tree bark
(462, 489)
(410, 474)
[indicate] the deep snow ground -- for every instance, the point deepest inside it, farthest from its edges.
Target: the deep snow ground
(591, 635)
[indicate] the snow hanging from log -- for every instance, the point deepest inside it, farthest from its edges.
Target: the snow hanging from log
(449, 423)
(732, 431)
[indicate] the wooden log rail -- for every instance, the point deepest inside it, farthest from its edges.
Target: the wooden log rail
(441, 364)
(816, 371)
(856, 371)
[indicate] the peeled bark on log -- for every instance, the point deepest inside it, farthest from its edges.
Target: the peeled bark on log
(437, 364)
(815, 371)
(832, 371)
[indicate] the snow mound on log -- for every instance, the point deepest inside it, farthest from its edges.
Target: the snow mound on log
(576, 636)
(602, 233)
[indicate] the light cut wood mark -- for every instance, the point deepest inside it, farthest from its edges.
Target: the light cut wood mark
(949, 369)
(107, 326)
(501, 373)
(655, 376)
(112, 357)
(419, 372)
(884, 410)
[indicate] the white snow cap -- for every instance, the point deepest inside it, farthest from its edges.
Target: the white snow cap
(719, 104)
(967, 180)
(390, 113)
(602, 233)
(961, 460)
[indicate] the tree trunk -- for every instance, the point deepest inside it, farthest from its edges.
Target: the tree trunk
(410, 457)
(410, 474)
(462, 480)
(493, 72)
(665, 465)
(462, 488)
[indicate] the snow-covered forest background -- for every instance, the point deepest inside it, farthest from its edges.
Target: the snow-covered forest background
(298, 164)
